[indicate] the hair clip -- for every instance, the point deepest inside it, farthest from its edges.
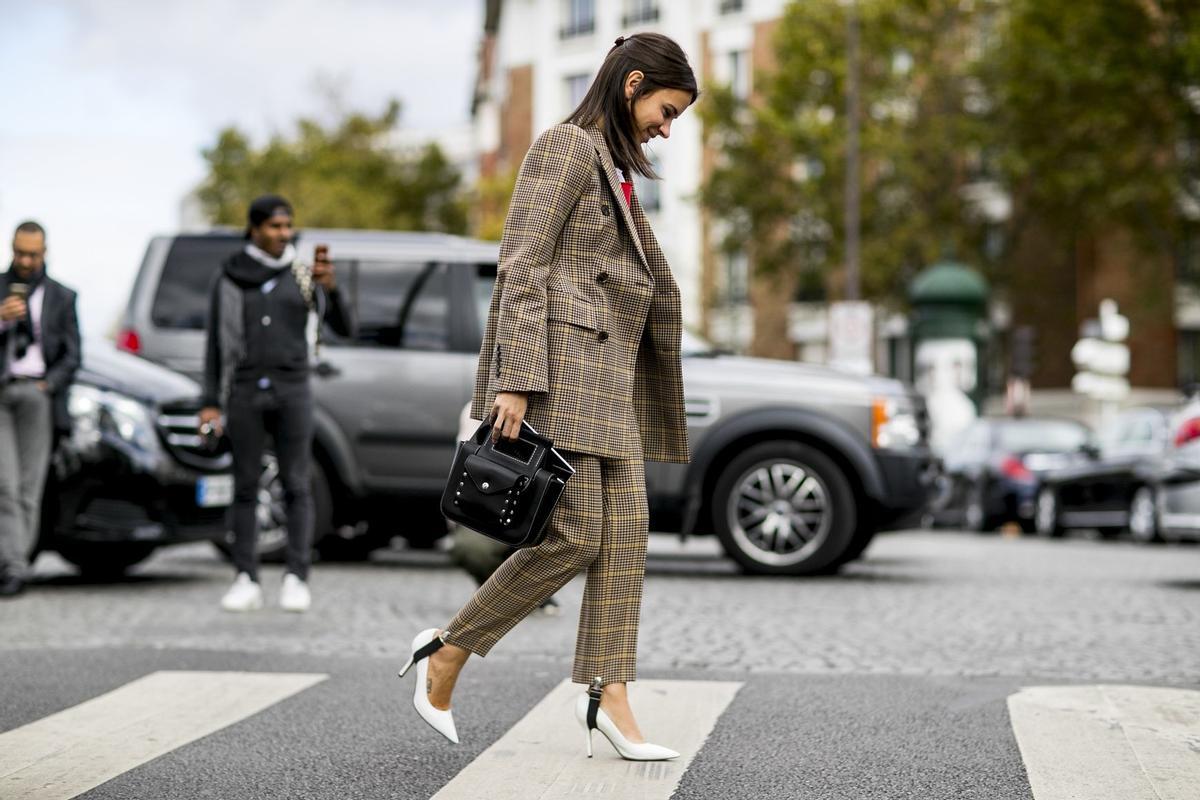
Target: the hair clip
(620, 41)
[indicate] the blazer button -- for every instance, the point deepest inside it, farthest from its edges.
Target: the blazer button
(602, 336)
(604, 209)
(602, 277)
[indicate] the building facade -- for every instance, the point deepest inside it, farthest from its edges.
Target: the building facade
(538, 57)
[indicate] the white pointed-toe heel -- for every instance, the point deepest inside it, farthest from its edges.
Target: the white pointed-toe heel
(424, 645)
(587, 711)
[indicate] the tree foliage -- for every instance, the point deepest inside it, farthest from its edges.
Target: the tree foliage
(779, 183)
(346, 174)
(1082, 116)
(1100, 108)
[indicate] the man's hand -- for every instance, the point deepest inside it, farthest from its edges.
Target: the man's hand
(12, 308)
(322, 270)
(507, 413)
(210, 416)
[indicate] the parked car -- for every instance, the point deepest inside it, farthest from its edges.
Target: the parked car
(133, 475)
(1110, 489)
(992, 476)
(795, 467)
(1171, 496)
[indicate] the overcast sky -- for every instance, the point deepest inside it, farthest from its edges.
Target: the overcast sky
(106, 105)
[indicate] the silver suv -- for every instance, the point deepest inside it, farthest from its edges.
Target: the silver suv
(795, 467)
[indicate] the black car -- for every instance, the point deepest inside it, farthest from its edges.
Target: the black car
(133, 474)
(1111, 489)
(992, 476)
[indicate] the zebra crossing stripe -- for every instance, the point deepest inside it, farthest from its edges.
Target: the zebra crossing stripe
(77, 749)
(543, 756)
(1109, 742)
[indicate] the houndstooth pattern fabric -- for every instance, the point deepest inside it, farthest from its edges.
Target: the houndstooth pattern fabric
(585, 315)
(600, 525)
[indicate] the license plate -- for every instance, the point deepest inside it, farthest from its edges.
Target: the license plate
(214, 490)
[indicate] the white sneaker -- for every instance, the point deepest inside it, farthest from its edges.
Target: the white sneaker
(244, 595)
(294, 594)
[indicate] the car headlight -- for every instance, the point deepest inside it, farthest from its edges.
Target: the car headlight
(894, 424)
(97, 413)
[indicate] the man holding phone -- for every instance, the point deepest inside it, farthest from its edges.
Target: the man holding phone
(39, 355)
(256, 384)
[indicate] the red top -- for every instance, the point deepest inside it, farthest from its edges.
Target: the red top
(627, 188)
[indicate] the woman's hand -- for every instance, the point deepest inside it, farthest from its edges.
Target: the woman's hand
(507, 413)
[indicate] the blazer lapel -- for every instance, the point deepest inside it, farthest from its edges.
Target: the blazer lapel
(614, 185)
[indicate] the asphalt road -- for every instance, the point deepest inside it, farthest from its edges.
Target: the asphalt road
(888, 681)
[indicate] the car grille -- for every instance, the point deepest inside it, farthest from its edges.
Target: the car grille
(177, 425)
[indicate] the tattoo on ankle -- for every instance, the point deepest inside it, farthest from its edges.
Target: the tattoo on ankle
(428, 685)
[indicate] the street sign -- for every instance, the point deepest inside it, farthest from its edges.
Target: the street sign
(851, 334)
(1103, 361)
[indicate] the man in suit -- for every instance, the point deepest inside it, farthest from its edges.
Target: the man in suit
(39, 354)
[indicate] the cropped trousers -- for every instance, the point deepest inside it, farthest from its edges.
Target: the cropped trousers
(600, 525)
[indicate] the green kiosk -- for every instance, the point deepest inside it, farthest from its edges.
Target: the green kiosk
(949, 329)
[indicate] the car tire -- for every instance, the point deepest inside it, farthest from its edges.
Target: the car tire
(105, 560)
(1143, 517)
(762, 486)
(1045, 514)
(271, 514)
(975, 516)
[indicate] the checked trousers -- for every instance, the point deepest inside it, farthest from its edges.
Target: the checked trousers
(600, 525)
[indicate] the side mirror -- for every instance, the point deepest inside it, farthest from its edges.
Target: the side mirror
(1091, 450)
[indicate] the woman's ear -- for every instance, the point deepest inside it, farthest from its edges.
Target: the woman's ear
(631, 82)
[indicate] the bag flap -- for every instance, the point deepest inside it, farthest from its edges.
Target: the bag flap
(488, 477)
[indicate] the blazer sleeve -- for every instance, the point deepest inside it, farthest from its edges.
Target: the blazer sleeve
(60, 374)
(212, 348)
(552, 178)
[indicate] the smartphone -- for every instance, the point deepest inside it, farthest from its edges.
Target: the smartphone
(20, 290)
(321, 252)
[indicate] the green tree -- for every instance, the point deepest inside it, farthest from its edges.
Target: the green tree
(346, 174)
(925, 131)
(1100, 107)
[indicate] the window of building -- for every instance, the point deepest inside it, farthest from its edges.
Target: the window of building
(739, 74)
(638, 12)
(577, 86)
(579, 18)
(729, 6)
(737, 277)
(649, 192)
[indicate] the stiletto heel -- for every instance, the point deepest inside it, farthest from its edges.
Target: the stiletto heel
(587, 711)
(424, 645)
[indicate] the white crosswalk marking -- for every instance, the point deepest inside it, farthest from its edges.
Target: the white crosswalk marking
(543, 755)
(1109, 742)
(70, 752)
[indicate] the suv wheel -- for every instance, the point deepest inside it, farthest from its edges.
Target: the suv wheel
(1143, 517)
(784, 508)
(271, 512)
(1045, 515)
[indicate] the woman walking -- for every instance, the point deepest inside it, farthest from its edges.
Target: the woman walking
(582, 341)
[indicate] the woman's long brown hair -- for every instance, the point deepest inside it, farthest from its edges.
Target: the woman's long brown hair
(665, 66)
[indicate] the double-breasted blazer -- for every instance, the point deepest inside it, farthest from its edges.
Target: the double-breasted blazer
(585, 316)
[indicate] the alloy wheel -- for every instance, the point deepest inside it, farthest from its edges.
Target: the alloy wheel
(779, 512)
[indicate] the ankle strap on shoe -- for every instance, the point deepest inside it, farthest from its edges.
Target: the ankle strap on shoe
(427, 650)
(594, 692)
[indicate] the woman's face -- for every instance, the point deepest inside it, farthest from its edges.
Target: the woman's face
(653, 113)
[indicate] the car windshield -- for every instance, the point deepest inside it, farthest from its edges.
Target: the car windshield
(1042, 437)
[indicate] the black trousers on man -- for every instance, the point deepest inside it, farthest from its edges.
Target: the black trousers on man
(283, 411)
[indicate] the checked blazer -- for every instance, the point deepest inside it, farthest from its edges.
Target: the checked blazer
(585, 315)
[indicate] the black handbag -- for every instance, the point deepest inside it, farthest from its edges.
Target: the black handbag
(506, 490)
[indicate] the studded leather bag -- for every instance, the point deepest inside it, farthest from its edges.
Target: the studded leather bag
(506, 490)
